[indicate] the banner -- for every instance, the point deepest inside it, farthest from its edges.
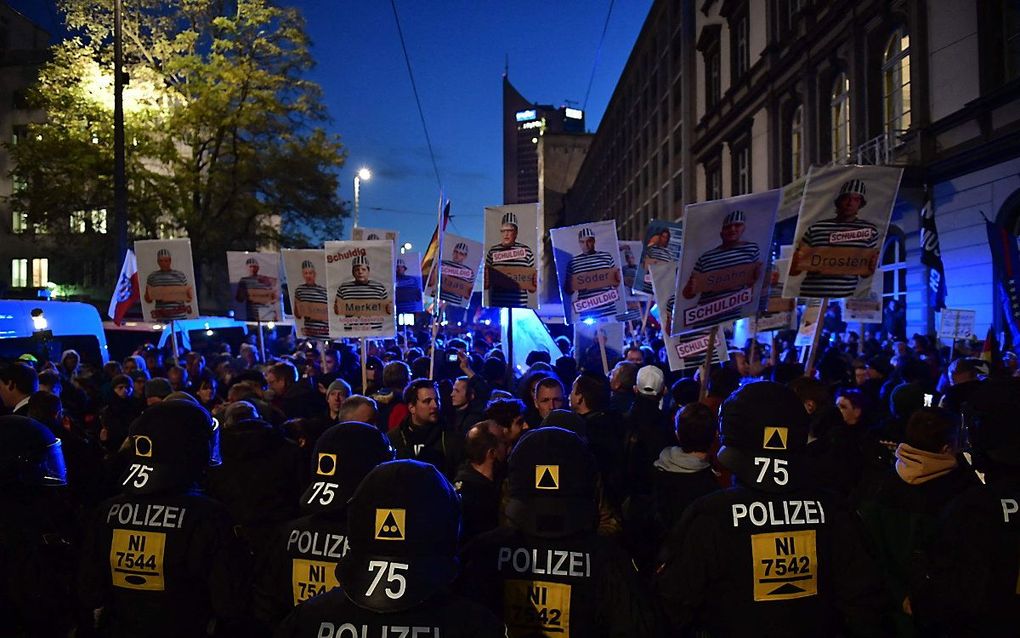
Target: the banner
(359, 277)
(588, 269)
(957, 323)
(628, 252)
(459, 262)
(306, 278)
(931, 255)
(843, 220)
(360, 233)
(1006, 273)
(126, 293)
(408, 291)
(167, 279)
(662, 243)
(512, 257)
(722, 263)
(255, 285)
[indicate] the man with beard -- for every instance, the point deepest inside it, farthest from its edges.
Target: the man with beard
(422, 436)
(478, 481)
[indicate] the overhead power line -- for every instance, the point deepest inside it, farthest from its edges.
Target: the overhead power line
(598, 55)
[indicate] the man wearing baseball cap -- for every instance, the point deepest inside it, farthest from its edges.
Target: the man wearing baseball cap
(548, 572)
(302, 562)
(845, 230)
(772, 554)
(162, 558)
(402, 526)
(508, 253)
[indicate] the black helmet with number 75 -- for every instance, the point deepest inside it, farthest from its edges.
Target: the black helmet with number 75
(172, 444)
(343, 455)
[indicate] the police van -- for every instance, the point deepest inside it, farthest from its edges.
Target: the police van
(44, 329)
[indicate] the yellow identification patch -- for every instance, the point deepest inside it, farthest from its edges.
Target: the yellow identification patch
(775, 438)
(311, 578)
(326, 465)
(389, 524)
(785, 565)
(136, 559)
(547, 477)
(536, 608)
(143, 446)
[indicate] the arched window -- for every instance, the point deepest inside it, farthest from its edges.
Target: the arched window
(894, 269)
(797, 143)
(839, 107)
(896, 83)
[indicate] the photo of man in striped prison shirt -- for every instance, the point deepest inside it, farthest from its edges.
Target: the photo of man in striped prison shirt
(353, 299)
(407, 289)
(311, 298)
(658, 248)
(826, 274)
(456, 269)
(594, 299)
(253, 281)
(168, 307)
(723, 277)
(506, 266)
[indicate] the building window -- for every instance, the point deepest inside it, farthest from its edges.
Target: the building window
(741, 168)
(839, 110)
(896, 84)
(713, 181)
(19, 222)
(88, 221)
(894, 270)
(797, 143)
(739, 36)
(34, 273)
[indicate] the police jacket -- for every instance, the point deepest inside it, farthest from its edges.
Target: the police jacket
(299, 565)
(435, 444)
(745, 562)
(333, 615)
(969, 586)
(580, 585)
(165, 564)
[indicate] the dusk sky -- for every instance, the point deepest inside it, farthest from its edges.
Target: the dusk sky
(458, 50)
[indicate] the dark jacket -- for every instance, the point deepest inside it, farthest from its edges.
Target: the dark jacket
(479, 500)
(436, 444)
(465, 418)
(301, 400)
(678, 479)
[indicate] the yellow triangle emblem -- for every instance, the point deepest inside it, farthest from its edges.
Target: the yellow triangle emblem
(775, 438)
(389, 524)
(547, 477)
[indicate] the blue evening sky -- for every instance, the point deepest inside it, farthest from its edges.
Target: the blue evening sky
(458, 49)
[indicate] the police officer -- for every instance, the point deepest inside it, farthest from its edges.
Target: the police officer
(772, 555)
(36, 556)
(162, 558)
(548, 572)
(971, 585)
(303, 561)
(402, 527)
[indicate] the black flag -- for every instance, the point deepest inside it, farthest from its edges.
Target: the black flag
(931, 254)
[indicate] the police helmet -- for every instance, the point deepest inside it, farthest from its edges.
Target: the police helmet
(30, 454)
(551, 480)
(343, 456)
(404, 513)
(763, 420)
(993, 432)
(172, 443)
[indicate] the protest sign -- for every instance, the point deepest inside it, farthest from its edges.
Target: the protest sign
(587, 260)
(166, 278)
(359, 278)
(255, 285)
(511, 259)
(306, 278)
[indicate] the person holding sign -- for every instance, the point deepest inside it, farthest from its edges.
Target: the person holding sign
(837, 253)
(354, 299)
(594, 276)
(510, 272)
(168, 290)
(310, 301)
(721, 273)
(458, 277)
(773, 551)
(258, 293)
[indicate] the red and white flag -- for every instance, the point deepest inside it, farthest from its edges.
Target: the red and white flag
(126, 292)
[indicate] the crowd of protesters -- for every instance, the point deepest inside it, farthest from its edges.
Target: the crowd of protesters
(907, 454)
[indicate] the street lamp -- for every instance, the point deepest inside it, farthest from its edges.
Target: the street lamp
(406, 247)
(363, 176)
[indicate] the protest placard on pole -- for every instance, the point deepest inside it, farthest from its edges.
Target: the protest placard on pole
(662, 243)
(587, 260)
(459, 262)
(255, 285)
(511, 257)
(359, 277)
(306, 284)
(167, 279)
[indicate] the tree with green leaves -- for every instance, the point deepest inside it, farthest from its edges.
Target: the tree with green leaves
(225, 134)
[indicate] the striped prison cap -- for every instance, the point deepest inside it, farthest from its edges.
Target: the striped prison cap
(307, 264)
(509, 218)
(461, 247)
(735, 217)
(585, 233)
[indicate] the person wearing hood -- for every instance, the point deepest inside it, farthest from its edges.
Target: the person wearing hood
(548, 572)
(336, 394)
(683, 472)
(161, 559)
(301, 561)
(260, 478)
(422, 435)
(402, 526)
(902, 517)
(773, 555)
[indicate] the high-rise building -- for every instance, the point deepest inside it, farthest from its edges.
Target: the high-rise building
(524, 124)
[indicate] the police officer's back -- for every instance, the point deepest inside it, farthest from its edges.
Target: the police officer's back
(162, 558)
(402, 526)
(548, 573)
(971, 585)
(770, 556)
(36, 557)
(302, 562)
